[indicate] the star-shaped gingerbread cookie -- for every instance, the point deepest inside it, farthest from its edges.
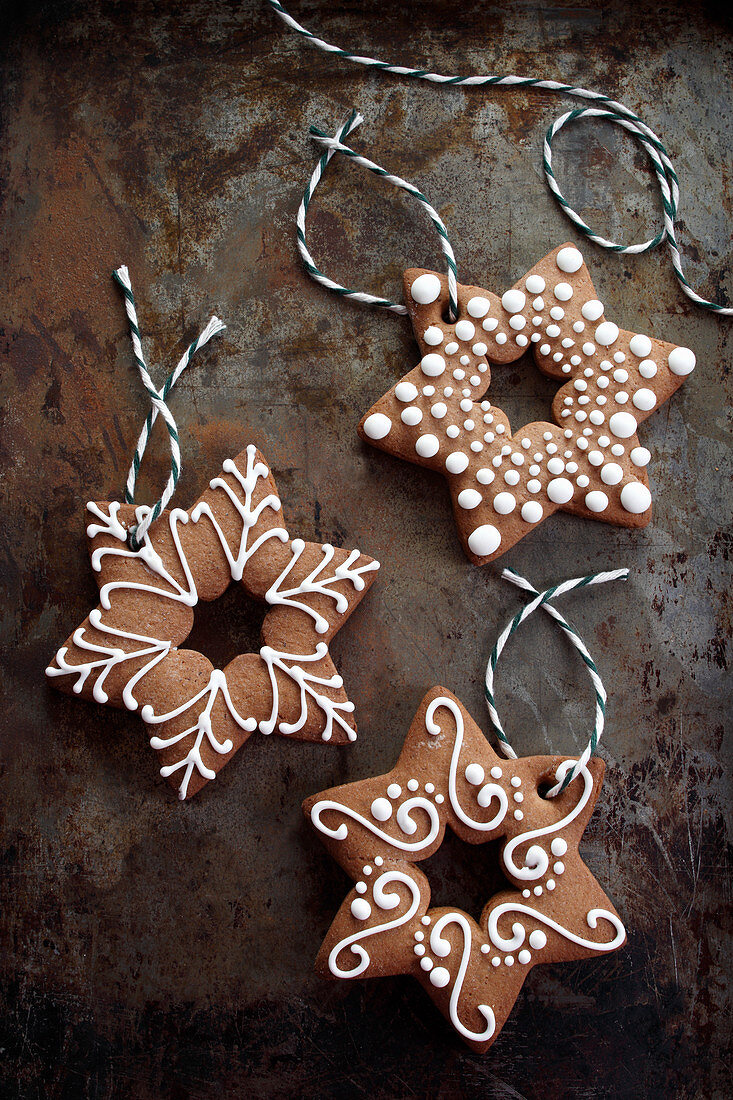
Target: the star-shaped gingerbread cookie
(379, 829)
(127, 651)
(589, 461)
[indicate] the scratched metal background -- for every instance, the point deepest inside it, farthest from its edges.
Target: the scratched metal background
(151, 949)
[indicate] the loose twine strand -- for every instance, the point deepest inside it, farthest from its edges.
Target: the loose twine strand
(542, 599)
(611, 110)
(335, 145)
(158, 405)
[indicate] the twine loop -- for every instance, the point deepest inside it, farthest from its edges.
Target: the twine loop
(564, 774)
(336, 144)
(158, 406)
(610, 110)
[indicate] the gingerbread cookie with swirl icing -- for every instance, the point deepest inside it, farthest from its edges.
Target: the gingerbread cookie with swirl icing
(128, 651)
(379, 830)
(588, 460)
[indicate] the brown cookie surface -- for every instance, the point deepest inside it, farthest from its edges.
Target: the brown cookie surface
(378, 829)
(587, 460)
(128, 653)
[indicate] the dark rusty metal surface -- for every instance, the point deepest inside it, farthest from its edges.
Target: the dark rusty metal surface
(152, 949)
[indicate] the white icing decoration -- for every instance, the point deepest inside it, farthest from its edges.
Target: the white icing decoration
(644, 400)
(425, 289)
(469, 499)
(427, 446)
(484, 540)
(403, 391)
(623, 425)
(569, 260)
(532, 511)
(316, 582)
(640, 456)
(493, 790)
(681, 361)
(606, 334)
(381, 809)
(377, 426)
(519, 931)
(432, 364)
(563, 292)
(433, 336)
(596, 501)
(536, 861)
(465, 330)
(592, 310)
(560, 490)
(504, 503)
(456, 462)
(513, 301)
(361, 909)
(647, 368)
(474, 774)
(611, 473)
(403, 820)
(635, 497)
(384, 901)
(535, 284)
(438, 410)
(478, 307)
(640, 346)
(442, 947)
(411, 416)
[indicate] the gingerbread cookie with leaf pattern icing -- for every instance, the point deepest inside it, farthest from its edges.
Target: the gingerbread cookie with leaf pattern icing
(128, 651)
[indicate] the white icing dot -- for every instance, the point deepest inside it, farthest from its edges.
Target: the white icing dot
(433, 336)
(411, 415)
(509, 960)
(484, 540)
(381, 809)
(465, 330)
(621, 375)
(535, 284)
(432, 364)
(475, 774)
(419, 949)
(425, 289)
(595, 458)
(478, 307)
(426, 963)
(516, 781)
(621, 397)
(558, 867)
(439, 976)
(517, 322)
(623, 425)
(555, 466)
(569, 260)
(560, 490)
(647, 368)
(412, 785)
(596, 416)
(640, 456)
(496, 772)
(377, 426)
(518, 796)
(489, 324)
(644, 399)
(592, 310)
(452, 431)
(611, 473)
(640, 346)
(405, 391)
(537, 939)
(534, 485)
(606, 334)
(559, 846)
(545, 349)
(469, 499)
(456, 462)
(478, 349)
(361, 908)
(553, 331)
(511, 477)
(635, 497)
(484, 476)
(451, 348)
(532, 511)
(589, 349)
(504, 503)
(596, 501)
(578, 326)
(361, 888)
(513, 301)
(563, 292)
(438, 410)
(427, 446)
(425, 920)
(394, 791)
(550, 884)
(537, 891)
(524, 956)
(496, 961)
(617, 450)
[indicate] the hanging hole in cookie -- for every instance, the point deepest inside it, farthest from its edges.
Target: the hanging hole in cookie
(544, 787)
(446, 316)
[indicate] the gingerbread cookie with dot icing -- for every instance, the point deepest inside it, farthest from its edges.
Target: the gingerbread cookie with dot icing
(588, 460)
(128, 651)
(379, 830)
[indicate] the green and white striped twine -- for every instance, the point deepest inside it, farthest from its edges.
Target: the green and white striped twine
(335, 145)
(542, 599)
(611, 110)
(158, 405)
